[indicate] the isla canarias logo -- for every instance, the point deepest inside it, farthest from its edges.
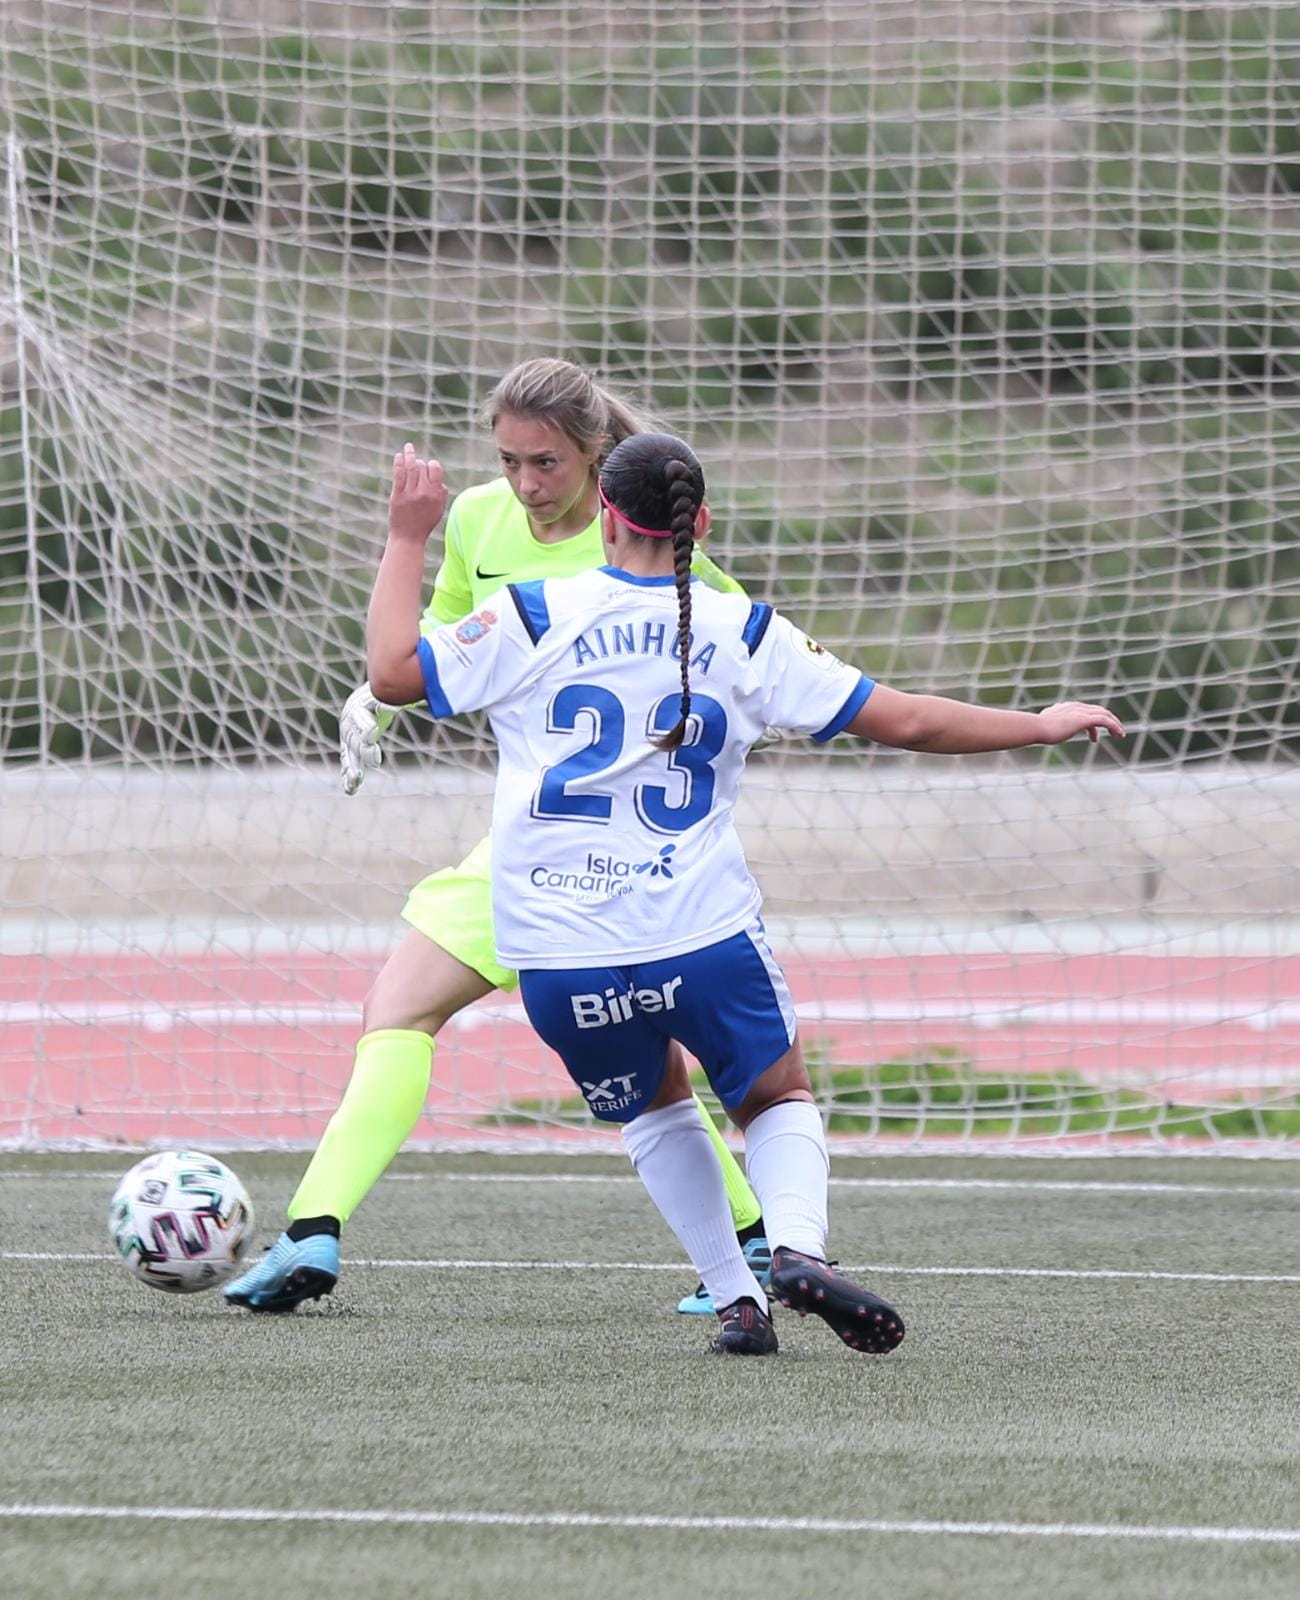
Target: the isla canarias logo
(660, 868)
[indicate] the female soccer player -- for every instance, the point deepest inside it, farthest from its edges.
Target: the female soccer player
(624, 702)
(552, 426)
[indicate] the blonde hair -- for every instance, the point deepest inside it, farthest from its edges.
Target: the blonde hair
(568, 398)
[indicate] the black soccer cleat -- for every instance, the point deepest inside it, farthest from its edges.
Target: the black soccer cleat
(746, 1331)
(863, 1320)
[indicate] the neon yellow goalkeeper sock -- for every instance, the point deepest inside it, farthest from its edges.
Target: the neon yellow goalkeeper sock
(382, 1103)
(745, 1209)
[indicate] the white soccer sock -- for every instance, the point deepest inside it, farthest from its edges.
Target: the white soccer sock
(676, 1161)
(788, 1167)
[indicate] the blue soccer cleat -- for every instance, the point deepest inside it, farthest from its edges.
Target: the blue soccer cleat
(759, 1256)
(290, 1271)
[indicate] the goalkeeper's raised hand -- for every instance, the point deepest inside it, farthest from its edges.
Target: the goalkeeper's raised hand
(363, 721)
(415, 508)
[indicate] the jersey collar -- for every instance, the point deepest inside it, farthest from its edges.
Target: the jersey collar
(662, 581)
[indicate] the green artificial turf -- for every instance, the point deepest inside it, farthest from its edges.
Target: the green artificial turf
(571, 1390)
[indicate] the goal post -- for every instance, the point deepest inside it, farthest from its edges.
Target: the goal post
(985, 321)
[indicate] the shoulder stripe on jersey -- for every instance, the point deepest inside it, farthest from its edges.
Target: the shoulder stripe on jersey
(858, 697)
(439, 705)
(530, 603)
(756, 626)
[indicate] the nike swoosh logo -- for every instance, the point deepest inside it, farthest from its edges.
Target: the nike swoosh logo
(486, 577)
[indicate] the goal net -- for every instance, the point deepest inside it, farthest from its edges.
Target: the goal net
(985, 321)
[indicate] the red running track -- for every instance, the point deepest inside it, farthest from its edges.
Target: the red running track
(141, 1048)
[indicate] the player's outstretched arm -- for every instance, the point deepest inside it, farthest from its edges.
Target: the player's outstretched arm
(415, 508)
(953, 728)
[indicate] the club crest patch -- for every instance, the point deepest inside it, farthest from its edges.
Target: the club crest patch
(476, 627)
(823, 660)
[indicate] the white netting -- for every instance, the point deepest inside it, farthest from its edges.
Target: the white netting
(985, 320)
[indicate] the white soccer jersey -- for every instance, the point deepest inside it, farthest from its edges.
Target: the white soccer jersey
(605, 849)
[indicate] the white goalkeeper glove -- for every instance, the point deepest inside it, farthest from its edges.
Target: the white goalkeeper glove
(363, 721)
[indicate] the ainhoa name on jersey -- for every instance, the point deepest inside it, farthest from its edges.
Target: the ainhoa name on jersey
(644, 639)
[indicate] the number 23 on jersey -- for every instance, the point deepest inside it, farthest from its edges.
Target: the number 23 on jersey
(567, 793)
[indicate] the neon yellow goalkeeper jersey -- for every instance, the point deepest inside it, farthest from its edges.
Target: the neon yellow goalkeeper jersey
(489, 542)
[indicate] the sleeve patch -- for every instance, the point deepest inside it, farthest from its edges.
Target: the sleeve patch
(821, 656)
(476, 626)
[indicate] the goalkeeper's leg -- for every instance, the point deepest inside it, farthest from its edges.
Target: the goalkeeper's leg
(420, 987)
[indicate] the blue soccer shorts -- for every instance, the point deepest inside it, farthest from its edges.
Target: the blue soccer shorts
(728, 1004)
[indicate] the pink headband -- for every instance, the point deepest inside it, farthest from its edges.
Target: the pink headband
(650, 533)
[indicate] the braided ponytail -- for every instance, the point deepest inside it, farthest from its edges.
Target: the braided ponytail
(681, 492)
(656, 481)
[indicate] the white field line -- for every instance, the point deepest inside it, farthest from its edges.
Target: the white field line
(1259, 1015)
(1161, 1533)
(880, 1268)
(990, 1185)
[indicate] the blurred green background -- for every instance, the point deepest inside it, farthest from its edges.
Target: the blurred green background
(990, 338)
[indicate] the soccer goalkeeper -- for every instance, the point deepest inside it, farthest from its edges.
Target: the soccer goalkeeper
(553, 427)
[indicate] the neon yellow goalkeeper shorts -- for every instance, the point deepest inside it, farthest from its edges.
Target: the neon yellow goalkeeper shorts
(454, 909)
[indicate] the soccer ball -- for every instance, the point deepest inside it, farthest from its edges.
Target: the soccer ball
(181, 1221)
